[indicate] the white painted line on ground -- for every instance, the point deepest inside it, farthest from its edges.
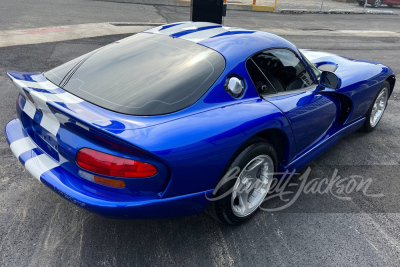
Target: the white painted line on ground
(64, 33)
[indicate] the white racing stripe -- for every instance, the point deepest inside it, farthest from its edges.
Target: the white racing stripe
(29, 109)
(184, 27)
(42, 85)
(50, 122)
(203, 35)
(22, 145)
(42, 98)
(39, 165)
(196, 36)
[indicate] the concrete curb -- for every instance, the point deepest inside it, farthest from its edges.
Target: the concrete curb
(186, 3)
(153, 2)
(333, 11)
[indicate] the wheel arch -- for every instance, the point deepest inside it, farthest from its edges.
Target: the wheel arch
(279, 141)
(392, 81)
(276, 137)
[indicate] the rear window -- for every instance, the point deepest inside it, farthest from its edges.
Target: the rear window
(146, 74)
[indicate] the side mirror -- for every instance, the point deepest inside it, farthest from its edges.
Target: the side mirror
(328, 66)
(330, 80)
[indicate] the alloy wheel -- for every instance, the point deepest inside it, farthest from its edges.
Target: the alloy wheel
(252, 185)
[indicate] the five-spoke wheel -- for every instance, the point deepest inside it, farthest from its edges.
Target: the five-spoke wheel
(377, 108)
(252, 185)
(377, 3)
(238, 197)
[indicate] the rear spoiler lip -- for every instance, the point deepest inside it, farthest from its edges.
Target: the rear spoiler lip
(126, 122)
(24, 76)
(58, 109)
(27, 82)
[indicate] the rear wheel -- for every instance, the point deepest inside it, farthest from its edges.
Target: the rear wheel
(244, 187)
(377, 3)
(361, 3)
(377, 108)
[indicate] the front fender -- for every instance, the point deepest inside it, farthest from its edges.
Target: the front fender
(361, 79)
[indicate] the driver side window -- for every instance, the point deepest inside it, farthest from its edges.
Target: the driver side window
(278, 70)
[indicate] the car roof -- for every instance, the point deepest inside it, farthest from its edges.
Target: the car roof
(231, 42)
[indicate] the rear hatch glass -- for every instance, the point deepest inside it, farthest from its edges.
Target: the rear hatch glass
(146, 74)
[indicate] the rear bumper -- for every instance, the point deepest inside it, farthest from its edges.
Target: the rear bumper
(87, 195)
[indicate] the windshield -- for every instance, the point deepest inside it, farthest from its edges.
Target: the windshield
(146, 74)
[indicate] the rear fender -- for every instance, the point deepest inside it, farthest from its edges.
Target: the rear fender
(199, 147)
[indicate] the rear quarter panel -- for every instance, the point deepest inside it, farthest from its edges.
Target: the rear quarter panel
(198, 148)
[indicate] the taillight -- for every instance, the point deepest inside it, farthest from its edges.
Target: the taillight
(106, 164)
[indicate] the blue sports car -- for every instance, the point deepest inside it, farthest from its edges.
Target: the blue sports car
(149, 125)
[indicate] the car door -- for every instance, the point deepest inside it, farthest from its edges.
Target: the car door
(283, 79)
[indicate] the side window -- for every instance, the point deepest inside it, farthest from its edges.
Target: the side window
(314, 69)
(278, 70)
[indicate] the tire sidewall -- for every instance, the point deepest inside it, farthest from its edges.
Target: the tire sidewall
(367, 126)
(223, 205)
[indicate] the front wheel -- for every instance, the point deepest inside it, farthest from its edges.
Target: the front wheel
(377, 108)
(242, 190)
(377, 3)
(361, 3)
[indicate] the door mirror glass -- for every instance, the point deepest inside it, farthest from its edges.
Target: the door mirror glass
(330, 80)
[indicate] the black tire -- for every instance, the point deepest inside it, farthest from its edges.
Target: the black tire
(367, 127)
(361, 3)
(376, 3)
(221, 209)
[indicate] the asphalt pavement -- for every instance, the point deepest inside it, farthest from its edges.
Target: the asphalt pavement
(39, 228)
(21, 14)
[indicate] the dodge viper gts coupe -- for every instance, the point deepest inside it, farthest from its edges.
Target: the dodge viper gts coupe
(150, 125)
